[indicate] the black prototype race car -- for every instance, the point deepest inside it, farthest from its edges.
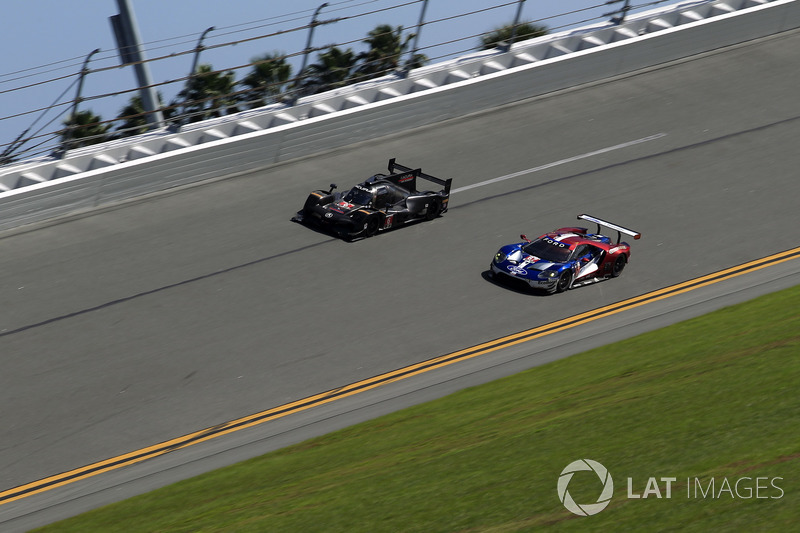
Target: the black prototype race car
(378, 203)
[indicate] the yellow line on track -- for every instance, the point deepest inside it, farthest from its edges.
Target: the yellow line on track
(184, 441)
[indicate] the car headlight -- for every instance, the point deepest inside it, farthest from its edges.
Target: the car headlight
(500, 257)
(548, 274)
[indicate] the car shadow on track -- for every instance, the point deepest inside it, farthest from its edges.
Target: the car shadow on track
(329, 233)
(519, 288)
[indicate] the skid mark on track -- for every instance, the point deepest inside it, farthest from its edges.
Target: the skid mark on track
(160, 289)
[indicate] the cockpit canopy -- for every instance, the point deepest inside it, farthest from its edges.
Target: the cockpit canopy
(359, 195)
(376, 195)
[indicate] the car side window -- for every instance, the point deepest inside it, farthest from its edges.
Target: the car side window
(580, 251)
(594, 250)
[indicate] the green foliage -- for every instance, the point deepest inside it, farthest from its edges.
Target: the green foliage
(83, 129)
(712, 397)
(386, 48)
(134, 121)
(524, 31)
(266, 80)
(331, 71)
(336, 68)
(207, 94)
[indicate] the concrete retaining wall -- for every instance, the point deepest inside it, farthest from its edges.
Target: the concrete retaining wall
(38, 190)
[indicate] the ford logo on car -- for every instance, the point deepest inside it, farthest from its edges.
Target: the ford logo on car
(517, 270)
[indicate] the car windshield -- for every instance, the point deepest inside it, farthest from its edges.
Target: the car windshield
(549, 250)
(358, 196)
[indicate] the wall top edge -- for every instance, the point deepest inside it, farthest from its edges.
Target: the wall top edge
(362, 96)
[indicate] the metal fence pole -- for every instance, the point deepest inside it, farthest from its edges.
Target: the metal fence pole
(516, 23)
(421, 23)
(311, 27)
(74, 113)
(620, 15)
(197, 51)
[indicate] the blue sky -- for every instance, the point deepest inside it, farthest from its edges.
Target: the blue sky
(45, 39)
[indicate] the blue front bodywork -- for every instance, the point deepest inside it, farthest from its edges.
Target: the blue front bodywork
(512, 262)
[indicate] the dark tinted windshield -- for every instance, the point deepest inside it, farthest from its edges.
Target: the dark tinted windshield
(358, 196)
(548, 249)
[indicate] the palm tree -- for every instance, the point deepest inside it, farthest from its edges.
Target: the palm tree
(134, 121)
(207, 94)
(416, 61)
(386, 49)
(331, 71)
(266, 80)
(525, 30)
(84, 128)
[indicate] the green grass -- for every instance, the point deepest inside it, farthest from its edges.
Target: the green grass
(714, 397)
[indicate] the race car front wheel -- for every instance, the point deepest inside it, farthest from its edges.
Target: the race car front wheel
(564, 281)
(370, 226)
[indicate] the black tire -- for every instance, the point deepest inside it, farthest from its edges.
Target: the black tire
(564, 281)
(619, 266)
(433, 210)
(371, 226)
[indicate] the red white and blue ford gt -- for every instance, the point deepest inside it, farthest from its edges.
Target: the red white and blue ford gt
(564, 258)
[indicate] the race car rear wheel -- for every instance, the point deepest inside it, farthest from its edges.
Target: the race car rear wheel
(619, 265)
(564, 281)
(433, 210)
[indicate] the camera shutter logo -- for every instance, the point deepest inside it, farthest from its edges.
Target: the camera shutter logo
(585, 509)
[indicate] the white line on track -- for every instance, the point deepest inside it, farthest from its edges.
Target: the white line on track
(561, 162)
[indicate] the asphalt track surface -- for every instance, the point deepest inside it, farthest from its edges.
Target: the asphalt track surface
(161, 317)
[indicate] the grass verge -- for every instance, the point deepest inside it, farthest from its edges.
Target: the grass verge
(710, 400)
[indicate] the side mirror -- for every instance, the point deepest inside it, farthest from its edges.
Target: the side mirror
(524, 238)
(333, 186)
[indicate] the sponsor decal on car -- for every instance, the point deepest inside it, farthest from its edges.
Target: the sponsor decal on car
(517, 270)
(554, 242)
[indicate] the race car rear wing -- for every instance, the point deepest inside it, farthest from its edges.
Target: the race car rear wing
(407, 177)
(609, 225)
